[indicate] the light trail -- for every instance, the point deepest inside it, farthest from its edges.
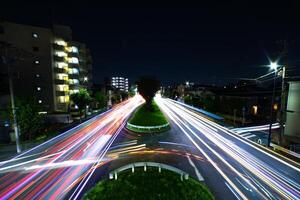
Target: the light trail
(236, 154)
(50, 168)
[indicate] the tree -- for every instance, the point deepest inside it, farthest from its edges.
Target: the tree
(81, 99)
(28, 117)
(147, 87)
(101, 99)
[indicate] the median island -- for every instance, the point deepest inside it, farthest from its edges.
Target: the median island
(148, 119)
(149, 184)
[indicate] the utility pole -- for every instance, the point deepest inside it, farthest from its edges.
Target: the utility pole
(16, 126)
(271, 112)
(283, 91)
(6, 61)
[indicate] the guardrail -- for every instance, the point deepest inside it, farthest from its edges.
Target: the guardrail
(275, 146)
(204, 112)
(148, 129)
(114, 174)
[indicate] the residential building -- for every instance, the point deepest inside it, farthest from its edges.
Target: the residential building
(120, 83)
(50, 67)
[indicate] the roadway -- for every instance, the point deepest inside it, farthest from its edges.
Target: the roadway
(234, 167)
(63, 166)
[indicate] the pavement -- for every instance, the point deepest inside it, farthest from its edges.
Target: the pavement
(70, 164)
(233, 163)
(62, 166)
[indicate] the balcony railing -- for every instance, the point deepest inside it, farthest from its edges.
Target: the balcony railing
(60, 70)
(61, 93)
(59, 59)
(60, 82)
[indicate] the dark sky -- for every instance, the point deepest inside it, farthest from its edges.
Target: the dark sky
(206, 44)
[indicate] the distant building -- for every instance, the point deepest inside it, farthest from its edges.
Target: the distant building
(120, 83)
(53, 65)
(292, 128)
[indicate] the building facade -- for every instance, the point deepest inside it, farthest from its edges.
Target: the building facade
(120, 83)
(48, 65)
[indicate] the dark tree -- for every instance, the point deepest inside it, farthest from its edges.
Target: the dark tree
(147, 87)
(81, 99)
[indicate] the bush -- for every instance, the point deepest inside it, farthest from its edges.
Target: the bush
(149, 185)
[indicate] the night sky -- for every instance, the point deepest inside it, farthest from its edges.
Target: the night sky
(209, 44)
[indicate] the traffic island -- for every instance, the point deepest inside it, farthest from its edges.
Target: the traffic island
(149, 183)
(148, 120)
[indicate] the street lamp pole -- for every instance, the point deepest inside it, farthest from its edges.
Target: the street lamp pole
(273, 66)
(11, 91)
(14, 115)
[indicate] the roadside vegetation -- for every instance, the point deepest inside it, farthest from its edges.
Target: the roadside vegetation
(146, 116)
(149, 185)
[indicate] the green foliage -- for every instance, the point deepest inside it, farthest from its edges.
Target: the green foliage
(101, 99)
(146, 117)
(81, 99)
(28, 117)
(149, 185)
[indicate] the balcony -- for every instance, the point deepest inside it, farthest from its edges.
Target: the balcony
(60, 82)
(61, 93)
(73, 76)
(59, 59)
(72, 54)
(58, 47)
(60, 70)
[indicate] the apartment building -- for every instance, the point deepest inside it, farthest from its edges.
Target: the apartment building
(120, 83)
(50, 67)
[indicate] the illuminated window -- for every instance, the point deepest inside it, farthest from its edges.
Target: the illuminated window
(60, 42)
(74, 49)
(37, 75)
(36, 62)
(60, 54)
(40, 101)
(62, 65)
(38, 88)
(73, 60)
(73, 71)
(35, 35)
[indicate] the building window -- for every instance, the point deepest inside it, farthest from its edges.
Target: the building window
(38, 88)
(36, 62)
(37, 75)
(1, 29)
(35, 48)
(40, 101)
(35, 35)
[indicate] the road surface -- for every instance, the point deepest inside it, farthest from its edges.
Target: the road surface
(63, 166)
(248, 171)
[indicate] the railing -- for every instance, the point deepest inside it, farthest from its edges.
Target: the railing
(114, 174)
(149, 129)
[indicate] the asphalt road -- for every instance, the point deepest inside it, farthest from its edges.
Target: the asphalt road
(65, 163)
(234, 168)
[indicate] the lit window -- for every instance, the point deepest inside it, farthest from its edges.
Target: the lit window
(38, 88)
(60, 54)
(40, 101)
(35, 35)
(74, 49)
(73, 60)
(62, 65)
(37, 75)
(60, 42)
(85, 78)
(37, 62)
(73, 71)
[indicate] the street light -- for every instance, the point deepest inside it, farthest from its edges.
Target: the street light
(274, 66)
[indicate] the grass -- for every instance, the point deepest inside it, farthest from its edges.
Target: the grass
(149, 185)
(148, 117)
